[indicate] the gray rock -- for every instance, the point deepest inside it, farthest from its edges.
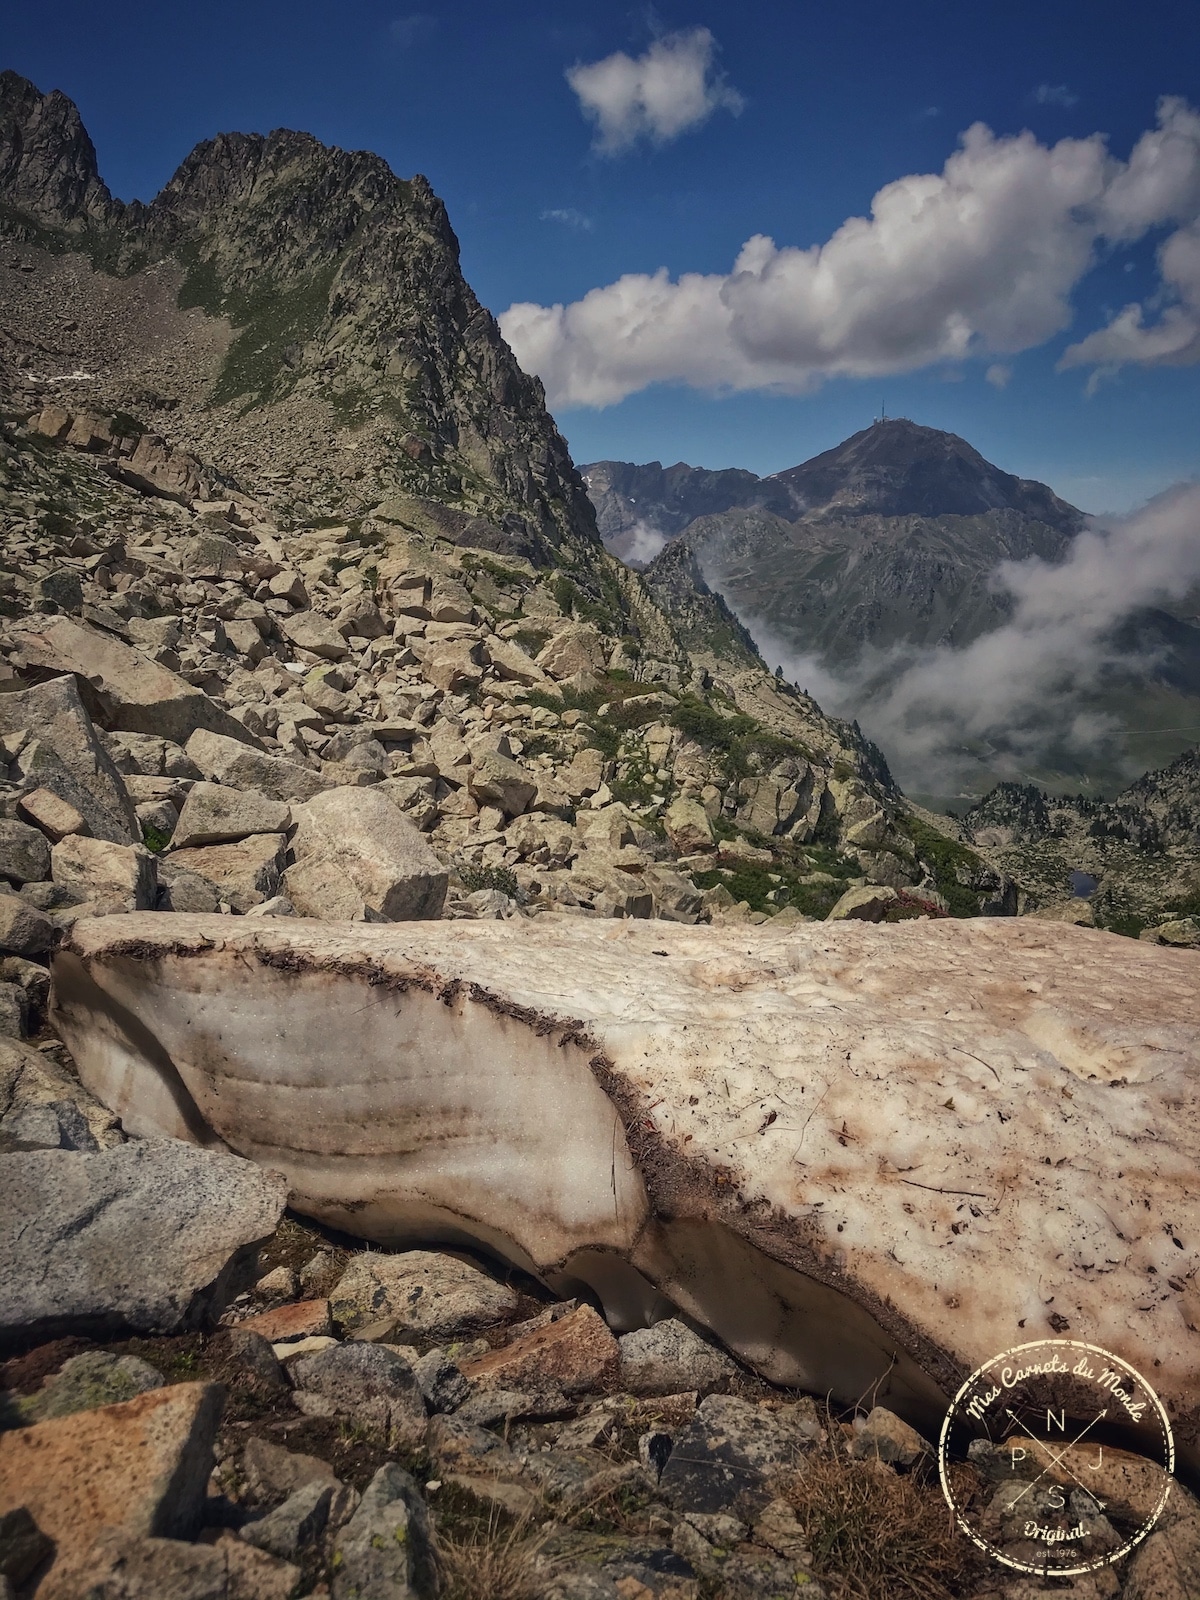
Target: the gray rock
(122, 687)
(225, 760)
(670, 1359)
(358, 856)
(215, 814)
(152, 1236)
(730, 1450)
(868, 904)
(441, 1381)
(890, 1438)
(181, 890)
(295, 1525)
(24, 853)
(111, 877)
(25, 931)
(50, 1125)
(124, 1567)
(271, 1472)
(64, 754)
(383, 1551)
(95, 1378)
(494, 1406)
(430, 1295)
(316, 634)
(53, 817)
(14, 1011)
(244, 874)
(365, 1381)
(496, 780)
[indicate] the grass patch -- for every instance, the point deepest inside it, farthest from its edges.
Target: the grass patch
(744, 743)
(474, 878)
(273, 323)
(154, 838)
(489, 1562)
(876, 1534)
(944, 857)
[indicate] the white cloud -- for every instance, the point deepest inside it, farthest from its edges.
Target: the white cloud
(658, 96)
(999, 375)
(980, 259)
(1055, 94)
(569, 217)
(412, 29)
(1022, 691)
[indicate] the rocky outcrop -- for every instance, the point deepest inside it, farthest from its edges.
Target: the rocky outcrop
(955, 1086)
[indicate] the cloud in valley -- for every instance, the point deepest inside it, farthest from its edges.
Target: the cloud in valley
(979, 260)
(1021, 691)
(671, 89)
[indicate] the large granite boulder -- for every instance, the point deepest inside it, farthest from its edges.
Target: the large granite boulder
(358, 857)
(56, 749)
(151, 1236)
(868, 1158)
(124, 688)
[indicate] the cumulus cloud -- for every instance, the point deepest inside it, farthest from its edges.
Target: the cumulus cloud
(999, 375)
(1055, 94)
(669, 90)
(980, 259)
(1026, 691)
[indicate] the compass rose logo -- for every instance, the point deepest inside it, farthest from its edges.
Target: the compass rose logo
(1042, 1419)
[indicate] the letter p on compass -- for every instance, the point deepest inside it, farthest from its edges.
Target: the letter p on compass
(1035, 1457)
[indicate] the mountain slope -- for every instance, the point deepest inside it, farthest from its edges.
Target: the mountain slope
(259, 435)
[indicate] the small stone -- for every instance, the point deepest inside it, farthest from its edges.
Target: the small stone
(24, 931)
(577, 1354)
(887, 1436)
(731, 1449)
(669, 1358)
(295, 1525)
(441, 1381)
(366, 1381)
(24, 853)
(272, 1472)
(290, 1352)
(281, 1282)
(304, 1319)
(384, 1548)
(95, 1378)
(113, 877)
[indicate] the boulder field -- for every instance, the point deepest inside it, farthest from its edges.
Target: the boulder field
(863, 1174)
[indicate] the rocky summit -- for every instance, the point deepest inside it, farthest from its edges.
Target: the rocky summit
(501, 1097)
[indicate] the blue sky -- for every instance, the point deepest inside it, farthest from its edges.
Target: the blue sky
(813, 110)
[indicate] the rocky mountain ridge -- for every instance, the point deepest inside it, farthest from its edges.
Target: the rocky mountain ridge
(284, 307)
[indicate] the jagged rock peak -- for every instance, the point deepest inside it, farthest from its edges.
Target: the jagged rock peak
(47, 161)
(343, 286)
(901, 468)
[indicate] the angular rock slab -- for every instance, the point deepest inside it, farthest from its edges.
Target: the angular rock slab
(142, 1467)
(149, 1236)
(869, 1158)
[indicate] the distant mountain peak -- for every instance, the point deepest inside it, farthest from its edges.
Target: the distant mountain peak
(898, 467)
